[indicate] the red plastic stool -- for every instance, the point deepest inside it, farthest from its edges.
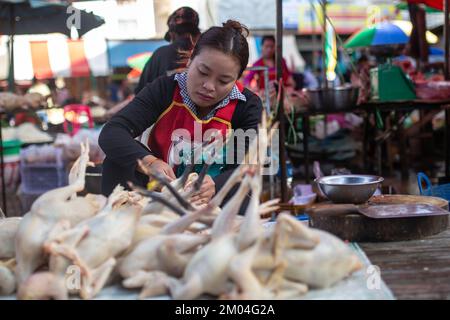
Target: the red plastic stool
(72, 114)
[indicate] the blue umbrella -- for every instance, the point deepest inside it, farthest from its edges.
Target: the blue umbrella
(385, 33)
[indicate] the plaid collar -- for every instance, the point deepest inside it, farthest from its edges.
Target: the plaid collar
(181, 78)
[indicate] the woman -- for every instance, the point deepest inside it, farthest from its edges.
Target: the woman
(267, 59)
(206, 95)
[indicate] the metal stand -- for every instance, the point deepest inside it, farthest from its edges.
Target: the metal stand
(281, 115)
(447, 142)
(2, 164)
(265, 71)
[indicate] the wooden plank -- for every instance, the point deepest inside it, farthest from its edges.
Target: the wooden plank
(418, 269)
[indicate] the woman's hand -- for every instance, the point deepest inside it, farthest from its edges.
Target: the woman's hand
(162, 168)
(154, 166)
(206, 192)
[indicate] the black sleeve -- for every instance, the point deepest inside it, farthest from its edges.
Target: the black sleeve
(117, 136)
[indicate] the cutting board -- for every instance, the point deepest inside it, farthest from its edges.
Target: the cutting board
(409, 199)
(353, 226)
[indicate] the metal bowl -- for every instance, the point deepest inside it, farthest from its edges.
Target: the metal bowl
(334, 99)
(352, 188)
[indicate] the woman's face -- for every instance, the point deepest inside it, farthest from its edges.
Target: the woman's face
(268, 49)
(211, 76)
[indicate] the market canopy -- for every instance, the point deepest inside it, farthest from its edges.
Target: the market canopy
(52, 56)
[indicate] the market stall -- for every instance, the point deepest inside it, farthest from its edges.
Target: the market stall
(165, 245)
(37, 160)
(337, 238)
(206, 239)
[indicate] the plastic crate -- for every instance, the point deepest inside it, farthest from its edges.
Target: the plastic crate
(441, 191)
(41, 177)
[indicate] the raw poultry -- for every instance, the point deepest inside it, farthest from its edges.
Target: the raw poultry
(50, 208)
(7, 278)
(10, 101)
(176, 248)
(233, 264)
(91, 245)
(170, 251)
(8, 230)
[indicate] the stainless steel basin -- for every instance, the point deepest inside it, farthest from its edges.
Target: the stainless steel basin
(352, 188)
(337, 98)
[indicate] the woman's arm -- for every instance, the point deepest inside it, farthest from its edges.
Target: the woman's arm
(117, 136)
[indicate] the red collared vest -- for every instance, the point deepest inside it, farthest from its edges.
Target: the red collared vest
(164, 135)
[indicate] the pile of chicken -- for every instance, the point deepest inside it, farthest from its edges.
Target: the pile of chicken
(161, 244)
(11, 102)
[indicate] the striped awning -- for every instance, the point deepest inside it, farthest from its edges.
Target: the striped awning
(55, 56)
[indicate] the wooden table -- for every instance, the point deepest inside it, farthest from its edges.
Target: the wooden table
(418, 269)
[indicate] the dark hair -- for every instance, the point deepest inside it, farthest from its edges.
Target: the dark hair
(183, 21)
(183, 15)
(229, 39)
(265, 38)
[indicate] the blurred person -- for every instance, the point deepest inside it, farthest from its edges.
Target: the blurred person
(183, 33)
(113, 90)
(62, 94)
(361, 78)
(124, 90)
(268, 60)
(405, 61)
